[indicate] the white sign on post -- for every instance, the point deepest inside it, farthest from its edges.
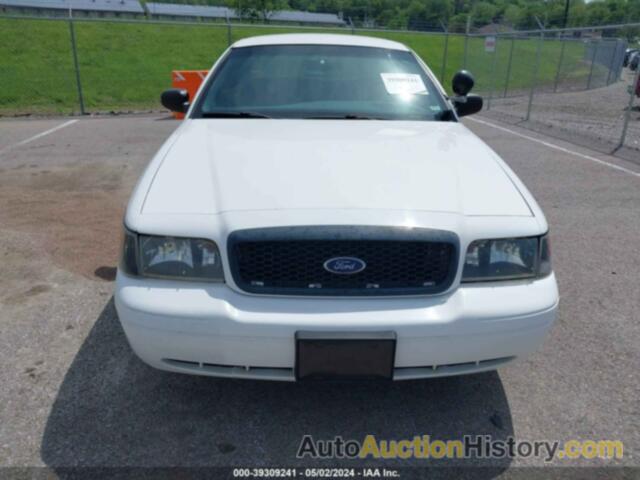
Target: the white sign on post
(490, 44)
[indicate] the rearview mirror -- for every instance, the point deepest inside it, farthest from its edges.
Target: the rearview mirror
(176, 100)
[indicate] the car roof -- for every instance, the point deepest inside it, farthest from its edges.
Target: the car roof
(319, 39)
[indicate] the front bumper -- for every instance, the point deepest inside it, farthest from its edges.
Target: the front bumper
(209, 329)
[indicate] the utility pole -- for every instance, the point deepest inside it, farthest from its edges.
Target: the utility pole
(565, 18)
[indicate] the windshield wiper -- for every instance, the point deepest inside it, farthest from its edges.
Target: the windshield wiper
(234, 115)
(347, 116)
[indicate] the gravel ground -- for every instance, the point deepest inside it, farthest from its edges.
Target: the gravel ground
(74, 395)
(593, 118)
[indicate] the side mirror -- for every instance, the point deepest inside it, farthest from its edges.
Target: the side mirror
(468, 105)
(462, 83)
(176, 100)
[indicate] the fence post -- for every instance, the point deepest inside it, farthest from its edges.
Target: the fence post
(619, 67)
(613, 61)
(534, 77)
(557, 79)
(353, 28)
(74, 50)
(593, 61)
(492, 85)
(632, 92)
(506, 83)
(466, 42)
(446, 50)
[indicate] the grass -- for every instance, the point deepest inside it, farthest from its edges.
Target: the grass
(124, 66)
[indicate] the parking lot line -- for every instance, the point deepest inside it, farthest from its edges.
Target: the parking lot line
(39, 135)
(558, 147)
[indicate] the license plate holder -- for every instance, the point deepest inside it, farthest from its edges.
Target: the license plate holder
(345, 355)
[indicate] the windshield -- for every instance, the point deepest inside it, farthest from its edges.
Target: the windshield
(320, 81)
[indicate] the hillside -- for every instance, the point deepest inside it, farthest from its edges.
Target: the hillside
(125, 66)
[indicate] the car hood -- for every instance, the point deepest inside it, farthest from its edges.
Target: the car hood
(223, 165)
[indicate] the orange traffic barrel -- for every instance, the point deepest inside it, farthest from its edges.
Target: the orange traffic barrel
(189, 80)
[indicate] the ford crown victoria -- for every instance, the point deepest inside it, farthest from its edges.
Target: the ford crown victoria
(322, 213)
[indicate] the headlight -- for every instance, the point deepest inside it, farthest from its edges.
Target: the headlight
(171, 257)
(129, 256)
(507, 259)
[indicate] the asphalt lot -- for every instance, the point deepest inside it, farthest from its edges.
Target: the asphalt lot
(593, 118)
(73, 394)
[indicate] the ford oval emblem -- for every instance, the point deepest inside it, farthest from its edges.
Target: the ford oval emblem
(344, 265)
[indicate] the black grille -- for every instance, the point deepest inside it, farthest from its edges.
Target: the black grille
(291, 260)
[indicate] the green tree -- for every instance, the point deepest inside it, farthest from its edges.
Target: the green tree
(458, 23)
(427, 14)
(512, 14)
(257, 9)
(483, 13)
(597, 13)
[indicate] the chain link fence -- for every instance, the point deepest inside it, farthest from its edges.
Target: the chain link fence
(37, 73)
(569, 83)
(579, 89)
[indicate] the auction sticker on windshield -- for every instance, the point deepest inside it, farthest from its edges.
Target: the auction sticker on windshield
(404, 83)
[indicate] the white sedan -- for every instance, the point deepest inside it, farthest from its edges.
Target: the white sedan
(322, 213)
